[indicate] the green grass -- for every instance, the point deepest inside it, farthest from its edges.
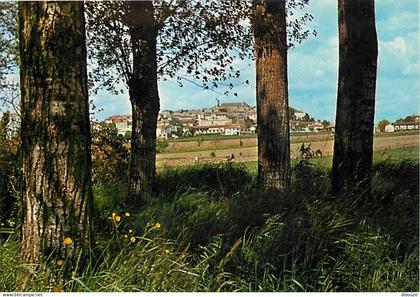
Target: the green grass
(393, 134)
(219, 233)
(205, 148)
(410, 153)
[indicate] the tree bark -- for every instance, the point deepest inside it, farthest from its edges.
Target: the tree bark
(269, 25)
(55, 130)
(144, 97)
(358, 52)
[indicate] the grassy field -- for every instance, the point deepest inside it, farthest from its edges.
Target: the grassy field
(409, 153)
(209, 228)
(212, 137)
(322, 135)
(221, 142)
(188, 153)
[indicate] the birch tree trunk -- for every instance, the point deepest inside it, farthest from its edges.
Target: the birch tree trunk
(358, 52)
(57, 195)
(269, 24)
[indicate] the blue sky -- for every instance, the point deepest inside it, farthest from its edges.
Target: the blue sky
(313, 69)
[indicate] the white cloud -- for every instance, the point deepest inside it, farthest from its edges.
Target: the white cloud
(397, 46)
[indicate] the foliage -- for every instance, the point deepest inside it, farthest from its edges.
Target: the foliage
(221, 179)
(190, 33)
(411, 118)
(191, 131)
(199, 239)
(382, 124)
(161, 145)
(198, 41)
(9, 172)
(325, 123)
(8, 54)
(110, 156)
(8, 39)
(127, 135)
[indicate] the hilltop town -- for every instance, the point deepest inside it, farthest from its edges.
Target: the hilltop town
(225, 119)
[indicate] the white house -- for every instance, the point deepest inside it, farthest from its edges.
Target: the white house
(165, 131)
(389, 128)
(233, 130)
(253, 129)
(299, 115)
(122, 123)
(213, 129)
(316, 126)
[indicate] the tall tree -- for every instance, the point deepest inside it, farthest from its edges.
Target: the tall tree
(269, 25)
(144, 97)
(55, 131)
(142, 41)
(358, 52)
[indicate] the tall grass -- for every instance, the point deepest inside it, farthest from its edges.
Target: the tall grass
(209, 229)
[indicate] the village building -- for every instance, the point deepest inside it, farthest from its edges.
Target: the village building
(226, 119)
(315, 127)
(389, 128)
(253, 129)
(232, 130)
(165, 131)
(217, 119)
(209, 129)
(252, 114)
(402, 126)
(218, 129)
(165, 114)
(299, 115)
(122, 123)
(187, 120)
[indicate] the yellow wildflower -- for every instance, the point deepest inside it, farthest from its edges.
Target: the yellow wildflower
(60, 262)
(58, 288)
(68, 240)
(113, 215)
(130, 231)
(133, 239)
(125, 236)
(117, 218)
(167, 251)
(157, 225)
(127, 214)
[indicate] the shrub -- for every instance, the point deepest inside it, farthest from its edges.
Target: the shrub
(221, 179)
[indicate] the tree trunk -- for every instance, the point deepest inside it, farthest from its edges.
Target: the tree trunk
(144, 97)
(269, 24)
(55, 130)
(358, 53)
